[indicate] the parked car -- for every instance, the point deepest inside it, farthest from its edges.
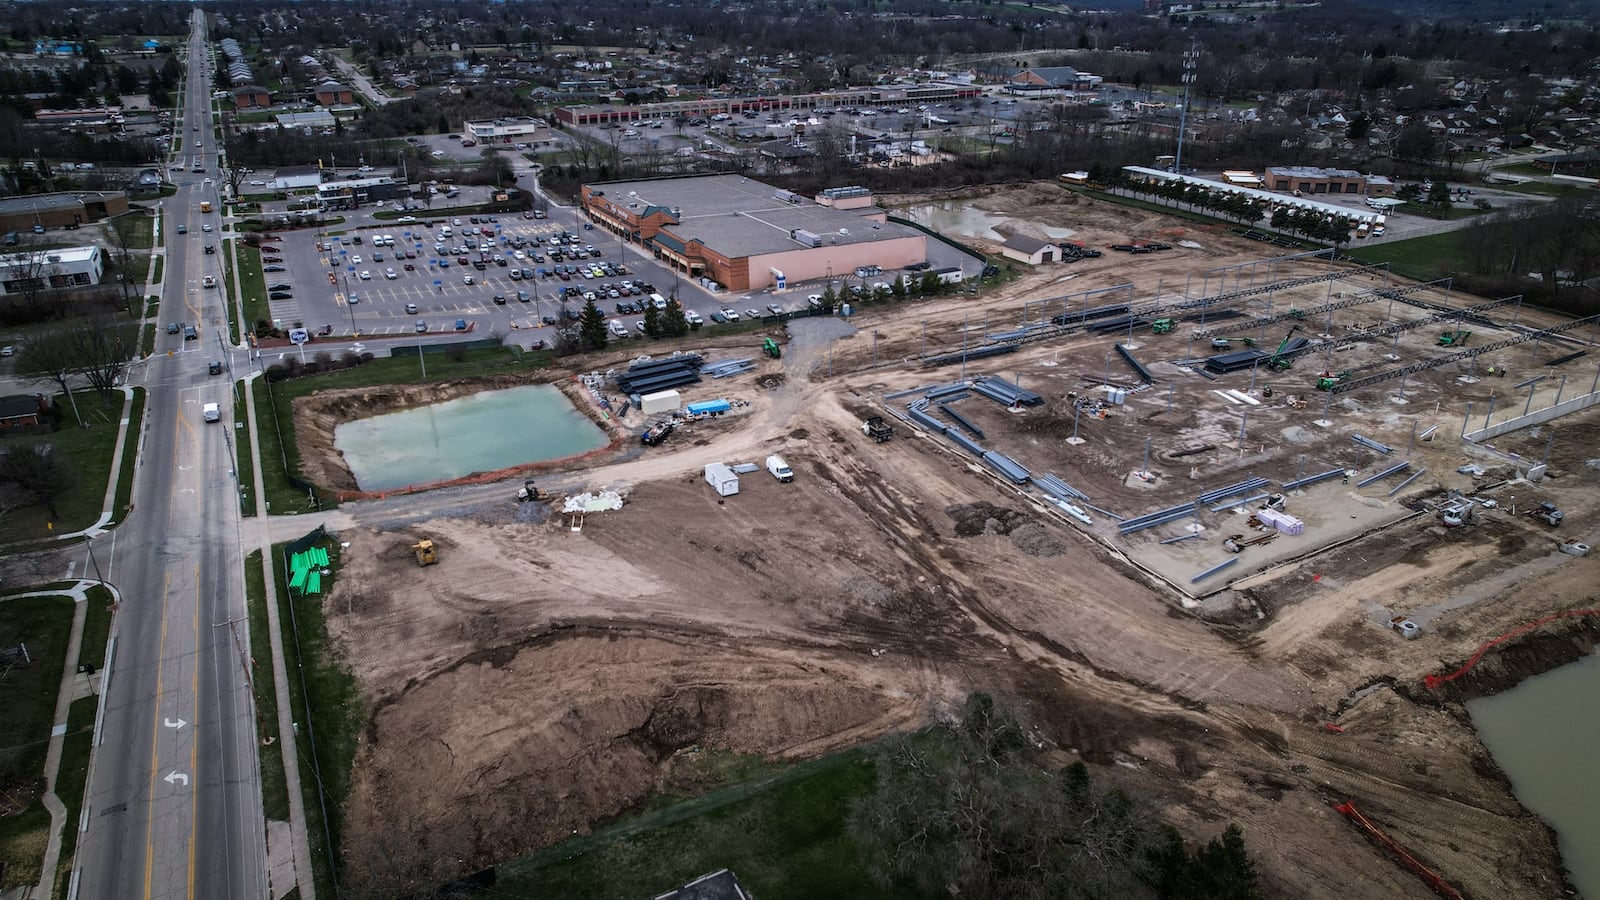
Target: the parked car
(468, 279)
(274, 269)
(390, 273)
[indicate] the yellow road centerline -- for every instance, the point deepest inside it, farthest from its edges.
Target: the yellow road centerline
(155, 736)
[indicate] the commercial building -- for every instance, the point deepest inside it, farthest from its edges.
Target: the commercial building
(744, 235)
(1316, 180)
(1357, 216)
(1050, 81)
(355, 192)
(518, 130)
(60, 210)
(296, 178)
(886, 95)
(64, 267)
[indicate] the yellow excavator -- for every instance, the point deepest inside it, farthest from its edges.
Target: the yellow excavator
(425, 553)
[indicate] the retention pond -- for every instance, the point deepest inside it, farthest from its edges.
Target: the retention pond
(1544, 735)
(480, 433)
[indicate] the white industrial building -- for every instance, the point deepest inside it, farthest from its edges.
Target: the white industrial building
(296, 178)
(50, 269)
(1358, 216)
(519, 130)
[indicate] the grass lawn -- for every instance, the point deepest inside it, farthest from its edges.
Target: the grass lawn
(28, 696)
(275, 402)
(252, 286)
(274, 792)
(159, 265)
(334, 719)
(1545, 189)
(1427, 257)
(71, 778)
(96, 627)
(1172, 211)
(783, 835)
(243, 461)
(124, 498)
(88, 452)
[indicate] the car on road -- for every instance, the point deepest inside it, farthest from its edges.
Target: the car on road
(461, 324)
(499, 299)
(273, 269)
(421, 326)
(183, 229)
(407, 220)
(365, 275)
(524, 296)
(190, 333)
(272, 259)
(173, 328)
(411, 308)
(206, 226)
(390, 273)
(353, 299)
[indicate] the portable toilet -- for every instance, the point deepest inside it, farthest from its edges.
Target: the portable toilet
(722, 479)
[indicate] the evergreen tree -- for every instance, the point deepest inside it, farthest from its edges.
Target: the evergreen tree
(673, 323)
(592, 333)
(652, 321)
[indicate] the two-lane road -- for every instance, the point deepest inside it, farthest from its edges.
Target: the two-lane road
(174, 807)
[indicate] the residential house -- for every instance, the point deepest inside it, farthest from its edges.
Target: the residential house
(251, 96)
(22, 411)
(332, 93)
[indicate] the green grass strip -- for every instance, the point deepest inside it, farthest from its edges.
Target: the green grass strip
(274, 786)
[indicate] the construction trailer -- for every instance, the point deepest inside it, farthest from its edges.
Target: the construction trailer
(660, 402)
(722, 479)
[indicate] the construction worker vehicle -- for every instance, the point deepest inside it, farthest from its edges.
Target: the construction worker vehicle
(529, 493)
(1454, 338)
(424, 550)
(1278, 362)
(877, 429)
(770, 347)
(1163, 326)
(656, 434)
(1327, 380)
(1548, 514)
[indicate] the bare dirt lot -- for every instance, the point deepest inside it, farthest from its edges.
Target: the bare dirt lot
(539, 680)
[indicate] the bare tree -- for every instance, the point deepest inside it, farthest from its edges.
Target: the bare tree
(28, 275)
(97, 347)
(122, 235)
(38, 475)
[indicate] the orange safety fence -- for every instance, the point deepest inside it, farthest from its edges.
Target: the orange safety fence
(1434, 681)
(1429, 877)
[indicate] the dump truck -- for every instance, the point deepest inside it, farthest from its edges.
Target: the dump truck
(877, 429)
(426, 556)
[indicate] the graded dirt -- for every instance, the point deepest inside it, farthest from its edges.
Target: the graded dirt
(540, 680)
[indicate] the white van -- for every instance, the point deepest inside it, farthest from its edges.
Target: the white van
(779, 469)
(445, 230)
(211, 412)
(658, 301)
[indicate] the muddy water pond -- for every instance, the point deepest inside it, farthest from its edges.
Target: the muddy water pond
(479, 433)
(1545, 735)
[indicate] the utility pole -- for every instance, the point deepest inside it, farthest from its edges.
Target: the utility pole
(1191, 60)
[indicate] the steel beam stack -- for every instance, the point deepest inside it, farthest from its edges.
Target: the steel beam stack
(1233, 490)
(1371, 444)
(1309, 480)
(1004, 392)
(1392, 470)
(1138, 367)
(1159, 517)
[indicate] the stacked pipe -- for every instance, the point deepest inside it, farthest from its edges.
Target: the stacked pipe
(1372, 444)
(1233, 490)
(1379, 476)
(1053, 485)
(1159, 517)
(1312, 479)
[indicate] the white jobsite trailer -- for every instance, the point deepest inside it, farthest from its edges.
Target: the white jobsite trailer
(722, 480)
(660, 402)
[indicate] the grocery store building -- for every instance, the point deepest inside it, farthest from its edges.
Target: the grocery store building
(746, 235)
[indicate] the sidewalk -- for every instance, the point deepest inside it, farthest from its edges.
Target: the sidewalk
(292, 868)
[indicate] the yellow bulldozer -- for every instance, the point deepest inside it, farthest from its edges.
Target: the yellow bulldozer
(425, 553)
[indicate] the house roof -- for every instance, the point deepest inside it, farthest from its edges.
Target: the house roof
(1024, 244)
(19, 406)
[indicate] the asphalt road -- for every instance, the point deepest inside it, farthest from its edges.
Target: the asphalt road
(174, 806)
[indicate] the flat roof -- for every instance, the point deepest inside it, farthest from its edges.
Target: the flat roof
(738, 216)
(1355, 215)
(1313, 172)
(54, 255)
